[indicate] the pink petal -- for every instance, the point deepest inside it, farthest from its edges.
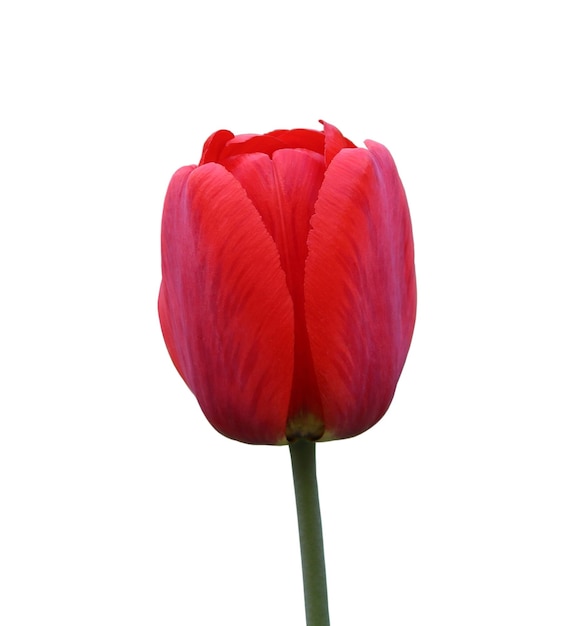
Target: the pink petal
(225, 309)
(359, 288)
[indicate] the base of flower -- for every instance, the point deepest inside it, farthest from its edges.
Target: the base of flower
(304, 426)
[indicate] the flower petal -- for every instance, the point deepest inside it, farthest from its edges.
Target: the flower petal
(334, 142)
(284, 190)
(359, 288)
(215, 145)
(251, 143)
(301, 138)
(225, 309)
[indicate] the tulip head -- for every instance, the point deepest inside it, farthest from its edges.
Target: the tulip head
(288, 292)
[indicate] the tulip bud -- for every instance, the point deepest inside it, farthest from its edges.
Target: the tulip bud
(288, 292)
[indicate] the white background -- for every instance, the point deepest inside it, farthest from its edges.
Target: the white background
(119, 503)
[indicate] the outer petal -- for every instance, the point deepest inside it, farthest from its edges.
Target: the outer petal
(359, 288)
(225, 309)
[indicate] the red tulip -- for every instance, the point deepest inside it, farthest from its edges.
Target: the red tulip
(288, 294)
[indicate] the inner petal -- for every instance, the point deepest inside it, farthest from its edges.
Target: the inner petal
(284, 189)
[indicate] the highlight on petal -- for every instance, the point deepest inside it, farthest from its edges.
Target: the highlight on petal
(225, 309)
(251, 143)
(359, 288)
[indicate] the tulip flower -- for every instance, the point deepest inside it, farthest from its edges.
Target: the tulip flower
(288, 288)
(288, 297)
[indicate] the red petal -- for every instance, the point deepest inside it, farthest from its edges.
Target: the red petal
(284, 189)
(359, 288)
(254, 143)
(225, 309)
(301, 138)
(334, 142)
(214, 146)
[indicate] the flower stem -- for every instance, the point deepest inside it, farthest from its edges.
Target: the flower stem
(310, 532)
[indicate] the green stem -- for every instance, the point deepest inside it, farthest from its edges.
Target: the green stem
(310, 533)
